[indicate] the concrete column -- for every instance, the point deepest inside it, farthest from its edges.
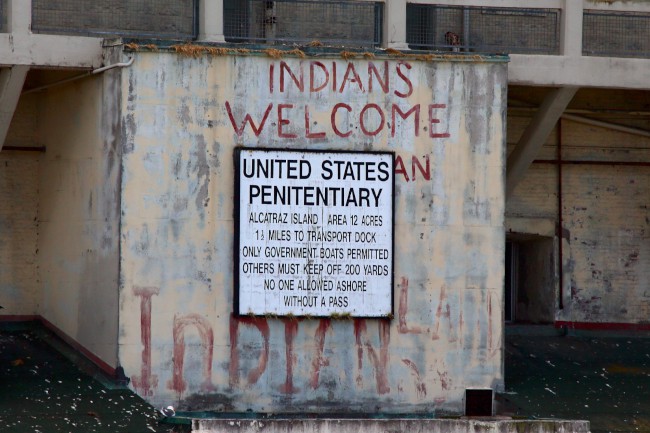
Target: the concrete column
(395, 24)
(211, 21)
(19, 16)
(571, 28)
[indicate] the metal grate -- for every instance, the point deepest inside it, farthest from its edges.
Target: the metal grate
(616, 34)
(356, 23)
(4, 28)
(165, 19)
(483, 29)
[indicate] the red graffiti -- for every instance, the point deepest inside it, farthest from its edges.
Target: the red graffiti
(489, 321)
(341, 116)
(379, 362)
(146, 381)
(319, 360)
(415, 164)
(177, 383)
(420, 387)
(354, 80)
(433, 120)
(444, 380)
(254, 375)
(402, 310)
(443, 312)
(257, 130)
(290, 331)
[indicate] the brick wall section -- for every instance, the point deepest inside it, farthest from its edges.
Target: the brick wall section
(19, 229)
(606, 219)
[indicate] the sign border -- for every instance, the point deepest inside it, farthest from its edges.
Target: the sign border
(236, 220)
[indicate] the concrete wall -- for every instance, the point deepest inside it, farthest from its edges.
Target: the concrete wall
(79, 211)
(605, 222)
(395, 425)
(179, 341)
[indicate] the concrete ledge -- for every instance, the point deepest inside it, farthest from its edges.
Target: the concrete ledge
(463, 425)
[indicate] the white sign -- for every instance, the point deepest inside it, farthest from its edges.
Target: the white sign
(315, 233)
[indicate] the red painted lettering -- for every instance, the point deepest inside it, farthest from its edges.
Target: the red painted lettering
(337, 131)
(406, 80)
(282, 121)
(207, 339)
(255, 374)
(396, 110)
(399, 168)
(312, 80)
(271, 70)
(319, 360)
(355, 78)
(403, 328)
(290, 331)
(372, 70)
(362, 122)
(298, 81)
(248, 119)
(379, 361)
(425, 172)
(146, 381)
(433, 120)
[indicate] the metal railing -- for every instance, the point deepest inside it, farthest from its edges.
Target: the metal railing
(164, 19)
(351, 23)
(616, 34)
(483, 29)
(4, 28)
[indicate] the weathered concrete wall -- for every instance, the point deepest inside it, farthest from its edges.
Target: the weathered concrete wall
(79, 211)
(605, 221)
(394, 425)
(180, 342)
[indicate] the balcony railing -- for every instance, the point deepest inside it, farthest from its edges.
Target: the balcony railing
(483, 29)
(165, 19)
(357, 23)
(533, 29)
(613, 34)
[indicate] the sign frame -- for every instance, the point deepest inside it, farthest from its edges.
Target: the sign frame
(237, 209)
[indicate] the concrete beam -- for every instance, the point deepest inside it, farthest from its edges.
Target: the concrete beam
(536, 134)
(585, 71)
(50, 51)
(11, 84)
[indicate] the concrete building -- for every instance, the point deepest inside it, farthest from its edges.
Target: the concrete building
(119, 202)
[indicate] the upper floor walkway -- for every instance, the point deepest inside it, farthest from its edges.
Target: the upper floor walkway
(585, 43)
